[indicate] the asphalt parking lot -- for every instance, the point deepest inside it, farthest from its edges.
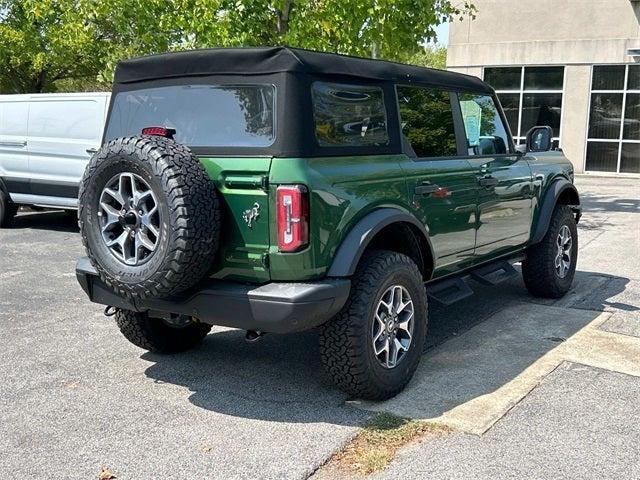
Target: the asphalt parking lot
(549, 385)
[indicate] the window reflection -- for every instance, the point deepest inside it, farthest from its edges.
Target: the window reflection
(427, 121)
(349, 115)
(632, 117)
(606, 113)
(485, 131)
(202, 115)
(541, 109)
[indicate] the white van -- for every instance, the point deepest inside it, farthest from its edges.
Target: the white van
(46, 141)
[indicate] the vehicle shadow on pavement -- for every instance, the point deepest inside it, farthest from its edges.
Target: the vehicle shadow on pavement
(57, 221)
(276, 379)
(280, 378)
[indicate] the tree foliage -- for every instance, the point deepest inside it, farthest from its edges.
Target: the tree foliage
(49, 44)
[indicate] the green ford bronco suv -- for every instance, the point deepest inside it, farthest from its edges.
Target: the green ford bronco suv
(278, 190)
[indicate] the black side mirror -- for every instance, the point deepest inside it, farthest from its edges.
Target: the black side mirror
(539, 139)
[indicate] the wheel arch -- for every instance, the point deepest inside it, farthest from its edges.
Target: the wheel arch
(386, 228)
(560, 192)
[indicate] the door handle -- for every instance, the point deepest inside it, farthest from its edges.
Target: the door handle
(426, 189)
(431, 189)
(488, 181)
(13, 144)
(92, 151)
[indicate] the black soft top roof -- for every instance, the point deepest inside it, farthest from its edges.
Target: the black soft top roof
(269, 60)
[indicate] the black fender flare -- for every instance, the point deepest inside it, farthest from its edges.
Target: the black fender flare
(355, 243)
(547, 205)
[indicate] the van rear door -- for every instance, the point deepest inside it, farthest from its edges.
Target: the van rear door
(14, 161)
(63, 130)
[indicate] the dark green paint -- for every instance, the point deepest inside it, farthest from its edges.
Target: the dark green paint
(472, 224)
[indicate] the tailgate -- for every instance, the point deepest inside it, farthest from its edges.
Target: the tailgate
(244, 241)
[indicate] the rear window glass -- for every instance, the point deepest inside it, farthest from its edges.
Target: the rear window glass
(349, 115)
(202, 115)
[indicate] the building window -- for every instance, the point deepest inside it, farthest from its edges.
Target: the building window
(613, 137)
(530, 97)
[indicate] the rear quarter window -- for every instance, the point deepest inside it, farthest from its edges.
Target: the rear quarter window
(202, 115)
(348, 115)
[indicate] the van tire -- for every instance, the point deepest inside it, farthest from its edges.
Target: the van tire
(154, 335)
(346, 348)
(8, 209)
(189, 213)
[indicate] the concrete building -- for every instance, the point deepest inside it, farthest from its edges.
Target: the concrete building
(571, 64)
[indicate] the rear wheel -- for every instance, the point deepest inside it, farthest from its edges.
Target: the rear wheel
(8, 209)
(373, 346)
(550, 265)
(158, 335)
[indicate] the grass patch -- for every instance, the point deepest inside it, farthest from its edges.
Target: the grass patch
(376, 445)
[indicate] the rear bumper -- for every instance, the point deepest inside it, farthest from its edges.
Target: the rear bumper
(274, 307)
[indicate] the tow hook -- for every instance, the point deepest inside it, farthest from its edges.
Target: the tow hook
(253, 335)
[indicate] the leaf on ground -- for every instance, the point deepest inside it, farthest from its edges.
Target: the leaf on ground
(106, 474)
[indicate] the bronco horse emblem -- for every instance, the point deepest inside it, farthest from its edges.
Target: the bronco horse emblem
(251, 214)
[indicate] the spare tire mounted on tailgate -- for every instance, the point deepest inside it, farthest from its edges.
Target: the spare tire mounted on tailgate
(149, 216)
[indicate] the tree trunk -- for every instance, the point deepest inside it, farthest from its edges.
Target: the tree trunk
(283, 17)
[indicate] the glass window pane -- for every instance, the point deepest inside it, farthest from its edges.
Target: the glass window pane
(50, 119)
(630, 161)
(541, 109)
(202, 115)
(606, 115)
(511, 105)
(633, 82)
(608, 77)
(602, 156)
(485, 131)
(543, 78)
(503, 78)
(632, 117)
(427, 121)
(349, 115)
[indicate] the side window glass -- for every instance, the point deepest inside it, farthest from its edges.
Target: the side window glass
(349, 115)
(427, 121)
(486, 134)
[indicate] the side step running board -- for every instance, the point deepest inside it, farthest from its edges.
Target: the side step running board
(453, 289)
(494, 273)
(449, 291)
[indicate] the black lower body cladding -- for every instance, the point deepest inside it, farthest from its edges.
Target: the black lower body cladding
(149, 217)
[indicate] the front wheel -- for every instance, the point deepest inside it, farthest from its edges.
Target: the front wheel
(550, 265)
(157, 335)
(373, 346)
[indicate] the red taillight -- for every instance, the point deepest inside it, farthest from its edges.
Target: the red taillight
(293, 217)
(159, 131)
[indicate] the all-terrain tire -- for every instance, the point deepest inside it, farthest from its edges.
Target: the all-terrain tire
(154, 335)
(539, 272)
(346, 347)
(8, 210)
(189, 211)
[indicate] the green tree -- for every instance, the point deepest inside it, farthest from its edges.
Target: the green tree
(432, 56)
(43, 41)
(75, 44)
(48, 44)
